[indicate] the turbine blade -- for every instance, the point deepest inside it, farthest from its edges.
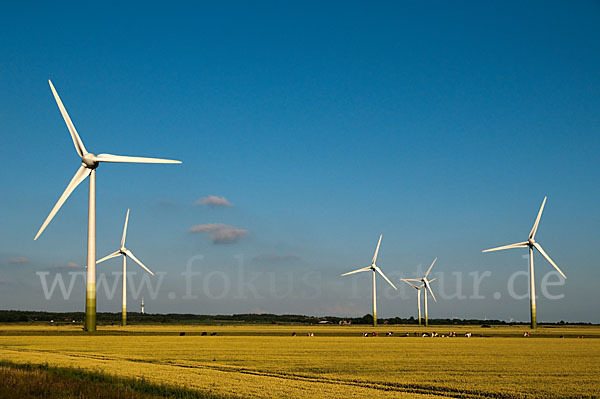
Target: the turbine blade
(76, 139)
(125, 229)
(516, 245)
(430, 267)
(537, 220)
(545, 255)
(412, 279)
(385, 277)
(107, 257)
(376, 250)
(364, 269)
(127, 159)
(428, 288)
(80, 176)
(433, 279)
(409, 283)
(136, 260)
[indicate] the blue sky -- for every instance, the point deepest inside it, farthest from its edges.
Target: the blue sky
(440, 126)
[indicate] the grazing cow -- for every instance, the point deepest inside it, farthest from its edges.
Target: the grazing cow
(468, 335)
(526, 334)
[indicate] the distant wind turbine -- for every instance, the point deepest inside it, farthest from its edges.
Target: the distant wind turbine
(374, 268)
(426, 283)
(418, 288)
(531, 243)
(125, 253)
(89, 163)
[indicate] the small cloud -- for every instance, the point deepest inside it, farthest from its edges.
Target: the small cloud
(220, 233)
(18, 260)
(264, 258)
(73, 265)
(213, 201)
(69, 266)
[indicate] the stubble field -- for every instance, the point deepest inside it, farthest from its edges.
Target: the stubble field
(268, 362)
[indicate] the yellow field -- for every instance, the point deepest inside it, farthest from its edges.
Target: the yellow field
(267, 362)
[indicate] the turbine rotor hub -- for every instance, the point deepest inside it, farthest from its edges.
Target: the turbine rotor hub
(531, 242)
(88, 161)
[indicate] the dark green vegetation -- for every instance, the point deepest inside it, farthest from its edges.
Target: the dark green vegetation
(10, 316)
(26, 381)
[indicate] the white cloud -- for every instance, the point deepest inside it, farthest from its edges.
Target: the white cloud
(220, 233)
(18, 260)
(213, 201)
(69, 266)
(73, 265)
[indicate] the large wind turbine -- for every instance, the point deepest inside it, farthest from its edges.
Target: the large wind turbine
(426, 284)
(531, 243)
(374, 268)
(125, 253)
(89, 163)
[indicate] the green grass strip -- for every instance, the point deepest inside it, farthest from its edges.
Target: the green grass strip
(60, 382)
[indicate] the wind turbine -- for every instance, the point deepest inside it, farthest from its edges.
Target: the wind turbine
(125, 253)
(374, 268)
(426, 283)
(531, 243)
(418, 288)
(89, 163)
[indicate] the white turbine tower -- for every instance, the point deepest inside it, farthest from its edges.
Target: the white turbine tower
(426, 284)
(125, 253)
(374, 268)
(89, 163)
(531, 243)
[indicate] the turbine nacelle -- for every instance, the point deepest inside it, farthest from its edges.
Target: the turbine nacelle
(531, 242)
(89, 160)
